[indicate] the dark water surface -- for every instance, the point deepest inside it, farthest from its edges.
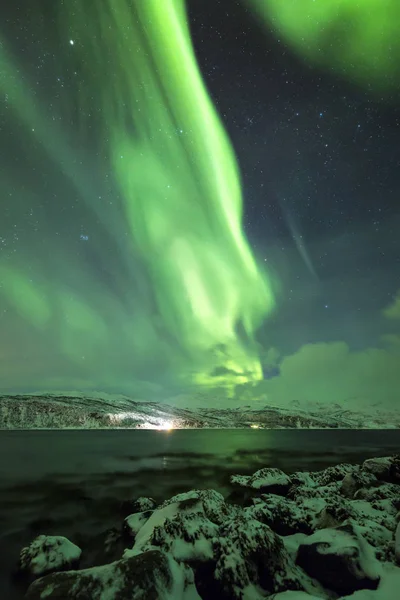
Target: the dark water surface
(72, 482)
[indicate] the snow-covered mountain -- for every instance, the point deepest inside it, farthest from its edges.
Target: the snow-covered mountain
(77, 410)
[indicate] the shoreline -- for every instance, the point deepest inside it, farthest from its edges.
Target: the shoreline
(187, 539)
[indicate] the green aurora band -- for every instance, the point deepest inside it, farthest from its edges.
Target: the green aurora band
(358, 39)
(178, 179)
(202, 295)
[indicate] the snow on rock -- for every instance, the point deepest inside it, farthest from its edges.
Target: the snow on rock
(144, 535)
(397, 544)
(173, 524)
(384, 490)
(143, 503)
(319, 484)
(352, 482)
(48, 553)
(249, 560)
(133, 523)
(210, 502)
(293, 595)
(388, 588)
(385, 468)
(187, 537)
(325, 535)
(151, 575)
(284, 516)
(340, 558)
(270, 480)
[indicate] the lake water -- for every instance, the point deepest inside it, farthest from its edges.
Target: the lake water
(72, 482)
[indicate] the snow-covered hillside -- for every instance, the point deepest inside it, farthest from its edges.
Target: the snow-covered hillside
(77, 410)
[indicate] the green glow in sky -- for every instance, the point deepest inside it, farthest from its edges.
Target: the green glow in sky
(359, 39)
(199, 294)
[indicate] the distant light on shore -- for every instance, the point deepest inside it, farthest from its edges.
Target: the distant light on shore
(158, 424)
(166, 426)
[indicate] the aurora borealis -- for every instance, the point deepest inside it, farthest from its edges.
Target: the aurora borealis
(137, 249)
(356, 39)
(178, 179)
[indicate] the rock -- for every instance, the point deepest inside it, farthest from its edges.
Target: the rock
(352, 482)
(284, 516)
(317, 485)
(333, 474)
(340, 558)
(349, 486)
(397, 544)
(333, 514)
(145, 533)
(174, 524)
(133, 523)
(284, 538)
(385, 468)
(268, 481)
(48, 553)
(187, 537)
(151, 575)
(383, 491)
(141, 504)
(249, 560)
(209, 502)
(388, 588)
(293, 595)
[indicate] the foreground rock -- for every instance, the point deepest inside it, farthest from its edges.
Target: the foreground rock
(48, 553)
(324, 535)
(340, 558)
(153, 576)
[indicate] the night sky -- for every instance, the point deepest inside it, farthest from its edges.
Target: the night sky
(319, 158)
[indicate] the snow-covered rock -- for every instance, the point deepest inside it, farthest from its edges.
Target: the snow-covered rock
(151, 575)
(293, 595)
(285, 516)
(267, 480)
(397, 544)
(48, 553)
(188, 537)
(356, 480)
(143, 503)
(386, 468)
(183, 525)
(388, 588)
(323, 535)
(340, 558)
(250, 558)
(210, 502)
(133, 523)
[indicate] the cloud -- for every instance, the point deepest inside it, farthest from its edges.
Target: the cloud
(331, 373)
(393, 310)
